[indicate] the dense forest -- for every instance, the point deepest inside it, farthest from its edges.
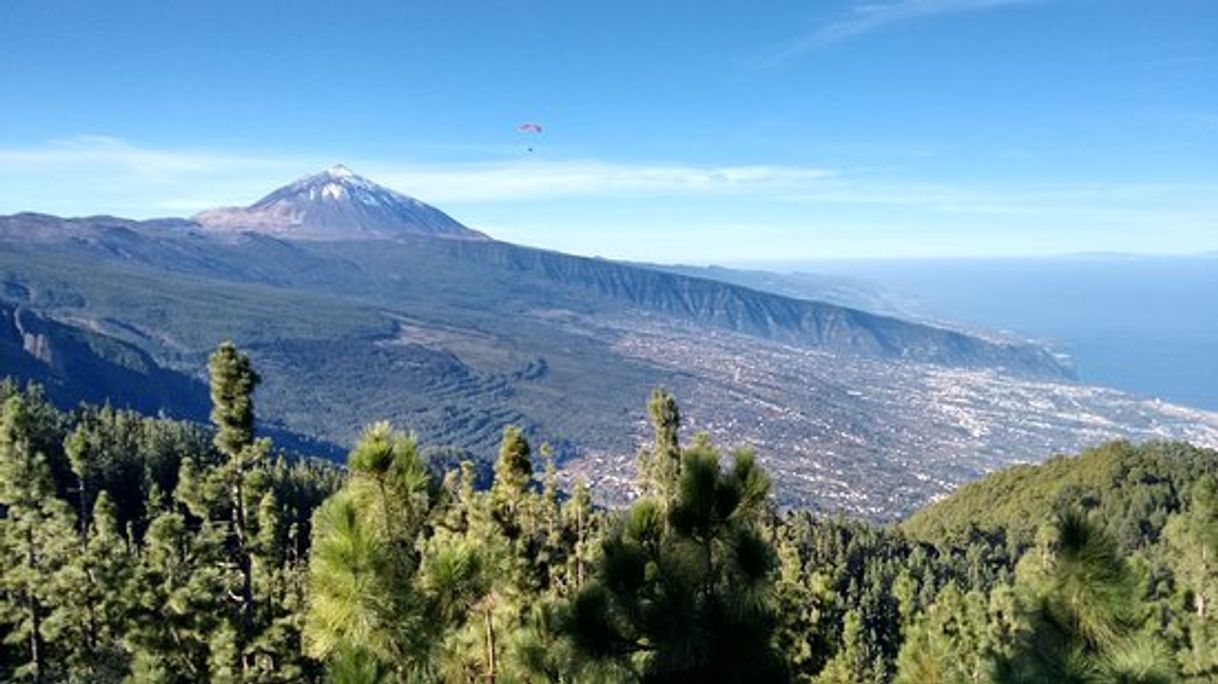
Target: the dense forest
(142, 549)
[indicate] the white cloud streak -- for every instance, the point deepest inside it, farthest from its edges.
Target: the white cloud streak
(99, 151)
(89, 174)
(204, 171)
(869, 16)
(538, 180)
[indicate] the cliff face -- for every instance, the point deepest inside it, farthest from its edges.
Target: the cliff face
(74, 365)
(743, 310)
(488, 275)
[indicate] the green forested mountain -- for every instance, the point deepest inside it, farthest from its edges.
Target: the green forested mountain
(143, 549)
(1133, 491)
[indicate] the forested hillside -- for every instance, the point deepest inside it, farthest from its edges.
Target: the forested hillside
(1133, 490)
(146, 550)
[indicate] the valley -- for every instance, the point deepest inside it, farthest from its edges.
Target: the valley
(454, 336)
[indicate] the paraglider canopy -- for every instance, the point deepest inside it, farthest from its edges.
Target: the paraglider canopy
(531, 129)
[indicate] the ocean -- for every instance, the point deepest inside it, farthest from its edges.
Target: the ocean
(1145, 324)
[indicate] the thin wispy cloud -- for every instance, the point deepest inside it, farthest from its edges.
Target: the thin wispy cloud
(106, 152)
(529, 180)
(866, 17)
(494, 181)
(90, 174)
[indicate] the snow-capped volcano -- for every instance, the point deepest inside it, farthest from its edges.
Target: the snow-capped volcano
(337, 204)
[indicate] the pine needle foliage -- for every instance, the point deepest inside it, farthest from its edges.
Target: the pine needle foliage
(138, 549)
(682, 591)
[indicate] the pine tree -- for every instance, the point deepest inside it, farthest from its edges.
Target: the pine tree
(178, 600)
(683, 587)
(232, 387)
(354, 665)
(392, 482)
(456, 580)
(493, 570)
(277, 587)
(474, 572)
(1082, 603)
(513, 472)
(1192, 541)
(807, 600)
(36, 535)
(363, 563)
(93, 590)
(659, 465)
(121, 453)
(579, 518)
(959, 638)
(84, 466)
(853, 659)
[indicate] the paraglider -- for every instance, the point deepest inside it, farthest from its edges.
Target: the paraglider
(530, 129)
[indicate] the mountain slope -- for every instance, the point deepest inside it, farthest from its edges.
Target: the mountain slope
(854, 293)
(455, 338)
(1122, 482)
(336, 204)
(482, 274)
(73, 364)
(751, 312)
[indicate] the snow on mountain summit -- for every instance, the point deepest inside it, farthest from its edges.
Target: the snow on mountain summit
(336, 204)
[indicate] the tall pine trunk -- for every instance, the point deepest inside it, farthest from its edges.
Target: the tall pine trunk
(490, 646)
(35, 610)
(244, 564)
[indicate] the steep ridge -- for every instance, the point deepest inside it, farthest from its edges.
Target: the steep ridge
(743, 310)
(485, 274)
(74, 364)
(844, 291)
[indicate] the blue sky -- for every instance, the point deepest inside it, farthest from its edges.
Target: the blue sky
(674, 131)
